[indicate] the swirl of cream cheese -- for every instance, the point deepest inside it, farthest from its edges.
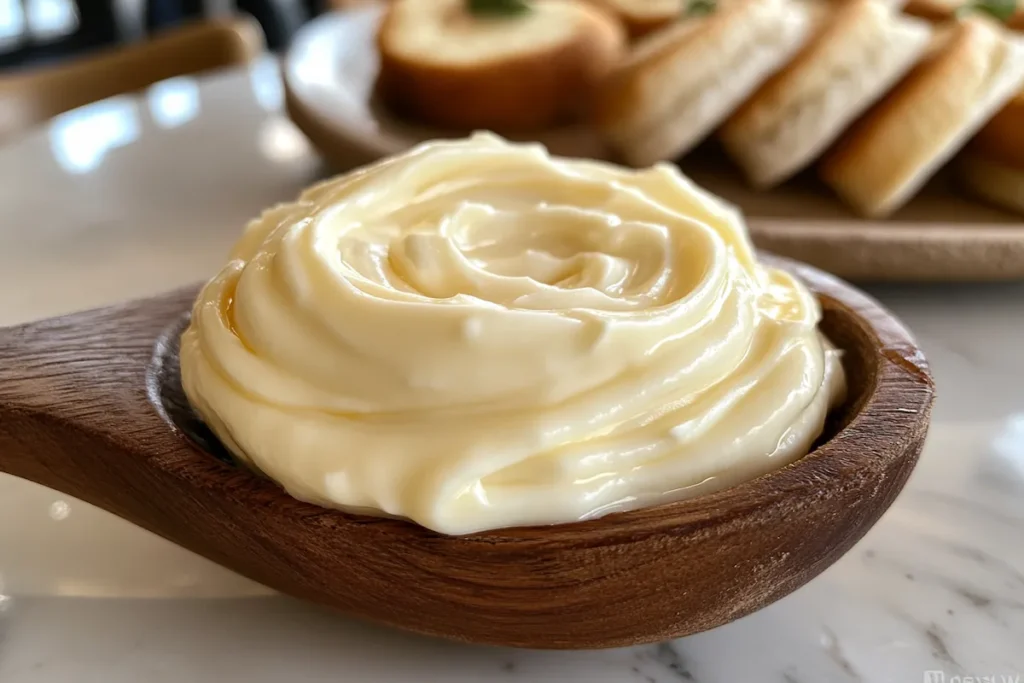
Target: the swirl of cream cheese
(475, 335)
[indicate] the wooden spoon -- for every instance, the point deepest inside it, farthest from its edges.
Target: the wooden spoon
(91, 405)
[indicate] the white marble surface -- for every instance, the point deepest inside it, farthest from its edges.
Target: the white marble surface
(937, 585)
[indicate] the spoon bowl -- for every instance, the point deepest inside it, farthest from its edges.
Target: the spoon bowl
(91, 405)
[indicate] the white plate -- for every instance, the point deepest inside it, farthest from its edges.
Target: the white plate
(330, 72)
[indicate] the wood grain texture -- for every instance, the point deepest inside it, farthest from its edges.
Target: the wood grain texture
(85, 406)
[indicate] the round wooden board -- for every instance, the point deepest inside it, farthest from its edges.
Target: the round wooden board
(941, 236)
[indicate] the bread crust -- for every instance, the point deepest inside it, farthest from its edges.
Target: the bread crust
(992, 166)
(860, 50)
(532, 89)
(643, 17)
(994, 181)
(1002, 138)
(627, 93)
(973, 68)
(943, 10)
(709, 64)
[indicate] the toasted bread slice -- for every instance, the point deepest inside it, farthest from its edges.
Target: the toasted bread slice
(994, 181)
(973, 68)
(992, 167)
(943, 10)
(681, 83)
(642, 17)
(858, 53)
(1002, 138)
(443, 65)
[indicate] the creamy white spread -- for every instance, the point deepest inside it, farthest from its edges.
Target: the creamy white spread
(475, 335)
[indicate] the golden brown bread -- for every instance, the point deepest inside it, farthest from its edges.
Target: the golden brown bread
(992, 167)
(860, 50)
(679, 84)
(994, 181)
(643, 17)
(443, 65)
(1002, 138)
(943, 10)
(972, 70)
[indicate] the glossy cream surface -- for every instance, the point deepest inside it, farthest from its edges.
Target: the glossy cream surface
(476, 335)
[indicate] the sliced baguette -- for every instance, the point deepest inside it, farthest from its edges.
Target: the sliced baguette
(944, 10)
(973, 68)
(1002, 137)
(682, 82)
(992, 167)
(859, 52)
(443, 65)
(643, 17)
(994, 181)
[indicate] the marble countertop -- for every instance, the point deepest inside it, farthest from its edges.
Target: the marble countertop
(133, 196)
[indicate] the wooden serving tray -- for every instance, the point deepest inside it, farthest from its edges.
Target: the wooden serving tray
(942, 235)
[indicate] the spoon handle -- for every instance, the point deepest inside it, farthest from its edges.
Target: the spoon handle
(74, 414)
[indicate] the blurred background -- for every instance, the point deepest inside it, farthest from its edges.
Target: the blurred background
(34, 32)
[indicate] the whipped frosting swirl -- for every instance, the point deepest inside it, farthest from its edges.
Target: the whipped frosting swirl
(475, 335)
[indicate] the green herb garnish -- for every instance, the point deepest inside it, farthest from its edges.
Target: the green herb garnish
(1002, 10)
(699, 8)
(497, 8)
